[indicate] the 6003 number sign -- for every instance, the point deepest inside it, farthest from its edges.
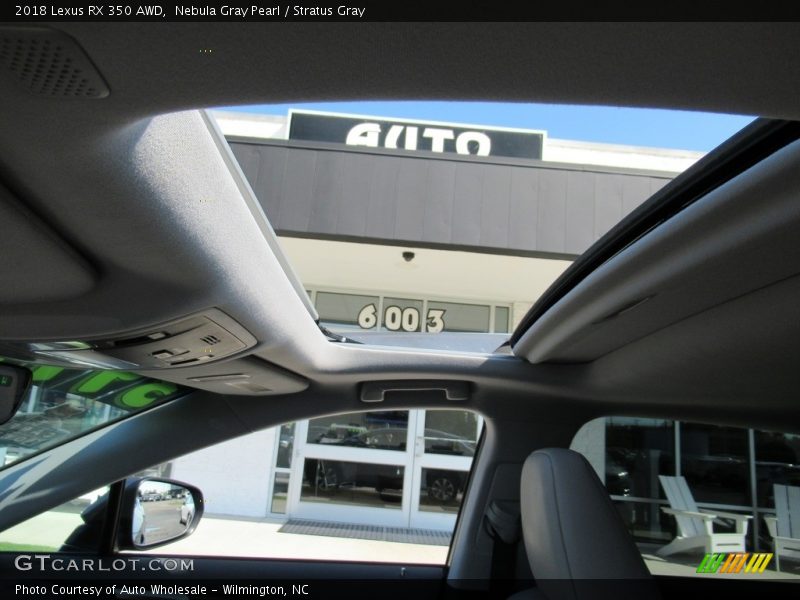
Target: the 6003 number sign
(396, 318)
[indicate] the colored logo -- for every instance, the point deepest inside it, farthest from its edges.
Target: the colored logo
(735, 562)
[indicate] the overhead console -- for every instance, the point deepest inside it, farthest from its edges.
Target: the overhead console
(193, 341)
(198, 351)
(248, 376)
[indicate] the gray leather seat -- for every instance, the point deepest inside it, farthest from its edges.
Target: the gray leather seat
(577, 544)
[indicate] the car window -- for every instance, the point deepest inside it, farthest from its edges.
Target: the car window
(696, 495)
(48, 531)
(65, 403)
(380, 486)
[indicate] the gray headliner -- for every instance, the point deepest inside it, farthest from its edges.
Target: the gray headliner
(722, 67)
(153, 206)
(738, 239)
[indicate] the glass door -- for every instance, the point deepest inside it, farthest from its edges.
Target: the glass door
(354, 468)
(392, 468)
(281, 476)
(444, 446)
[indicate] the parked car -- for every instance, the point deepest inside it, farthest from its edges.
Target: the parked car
(187, 509)
(139, 522)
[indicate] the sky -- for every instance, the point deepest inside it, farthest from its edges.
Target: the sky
(680, 130)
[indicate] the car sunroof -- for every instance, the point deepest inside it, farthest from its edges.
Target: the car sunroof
(432, 217)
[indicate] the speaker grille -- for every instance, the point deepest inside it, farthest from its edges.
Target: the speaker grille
(49, 63)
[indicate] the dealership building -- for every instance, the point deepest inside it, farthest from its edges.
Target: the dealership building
(381, 218)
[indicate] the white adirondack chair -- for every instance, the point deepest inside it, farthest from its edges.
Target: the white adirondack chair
(785, 527)
(696, 526)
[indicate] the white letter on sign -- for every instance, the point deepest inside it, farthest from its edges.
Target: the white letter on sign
(411, 138)
(483, 141)
(438, 136)
(364, 134)
(391, 137)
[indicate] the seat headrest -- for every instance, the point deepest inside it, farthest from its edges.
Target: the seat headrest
(572, 530)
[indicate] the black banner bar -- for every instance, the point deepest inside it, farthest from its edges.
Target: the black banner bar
(264, 11)
(392, 589)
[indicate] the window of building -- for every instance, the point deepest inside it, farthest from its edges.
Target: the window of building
(714, 461)
(777, 460)
(341, 311)
(725, 470)
(346, 311)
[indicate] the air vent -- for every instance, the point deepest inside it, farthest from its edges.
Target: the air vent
(49, 63)
(210, 340)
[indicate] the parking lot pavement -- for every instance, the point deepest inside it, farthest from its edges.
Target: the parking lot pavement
(48, 530)
(220, 536)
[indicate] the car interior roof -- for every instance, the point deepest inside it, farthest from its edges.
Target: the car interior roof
(130, 215)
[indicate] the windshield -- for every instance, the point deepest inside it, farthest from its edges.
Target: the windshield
(451, 217)
(62, 404)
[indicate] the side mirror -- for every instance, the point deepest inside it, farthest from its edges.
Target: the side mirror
(155, 512)
(14, 383)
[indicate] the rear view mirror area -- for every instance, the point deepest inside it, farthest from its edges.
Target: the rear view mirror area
(155, 512)
(14, 383)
